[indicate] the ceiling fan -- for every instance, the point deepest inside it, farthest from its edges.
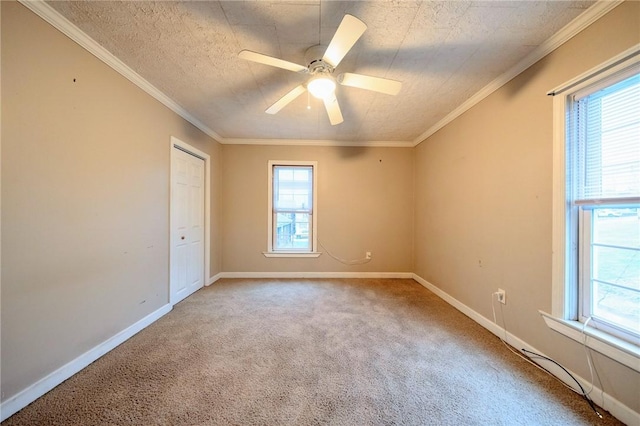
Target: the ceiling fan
(321, 64)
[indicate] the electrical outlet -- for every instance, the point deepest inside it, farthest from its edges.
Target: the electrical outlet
(502, 296)
(368, 255)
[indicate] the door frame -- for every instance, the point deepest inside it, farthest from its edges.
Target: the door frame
(183, 146)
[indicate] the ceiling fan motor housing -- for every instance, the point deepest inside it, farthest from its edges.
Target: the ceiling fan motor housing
(313, 58)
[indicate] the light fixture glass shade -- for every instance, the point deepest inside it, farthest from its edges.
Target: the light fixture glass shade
(321, 86)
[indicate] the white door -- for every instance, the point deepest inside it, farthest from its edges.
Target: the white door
(187, 224)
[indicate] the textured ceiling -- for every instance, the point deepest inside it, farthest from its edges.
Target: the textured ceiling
(443, 52)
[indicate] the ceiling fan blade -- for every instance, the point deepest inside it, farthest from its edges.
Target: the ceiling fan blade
(333, 110)
(286, 99)
(377, 84)
(349, 31)
(270, 60)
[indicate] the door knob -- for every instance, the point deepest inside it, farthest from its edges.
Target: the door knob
(182, 238)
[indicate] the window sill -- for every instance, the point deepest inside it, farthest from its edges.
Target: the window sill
(290, 254)
(617, 349)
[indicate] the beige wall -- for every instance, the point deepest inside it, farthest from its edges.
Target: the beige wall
(85, 193)
(365, 203)
(483, 199)
(85, 200)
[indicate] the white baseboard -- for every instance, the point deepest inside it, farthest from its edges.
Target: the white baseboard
(213, 279)
(407, 275)
(25, 397)
(604, 400)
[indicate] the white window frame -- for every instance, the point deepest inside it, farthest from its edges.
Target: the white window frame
(564, 304)
(314, 216)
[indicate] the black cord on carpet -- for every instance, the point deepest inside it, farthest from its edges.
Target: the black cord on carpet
(531, 355)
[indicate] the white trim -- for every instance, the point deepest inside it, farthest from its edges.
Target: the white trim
(207, 206)
(291, 254)
(214, 278)
(314, 210)
(318, 142)
(49, 14)
(266, 275)
(559, 297)
(604, 400)
(585, 19)
(617, 349)
(23, 398)
(485, 322)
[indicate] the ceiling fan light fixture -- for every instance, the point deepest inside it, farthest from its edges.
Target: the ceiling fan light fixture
(322, 86)
(321, 63)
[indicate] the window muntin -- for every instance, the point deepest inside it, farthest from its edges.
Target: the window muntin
(292, 193)
(603, 181)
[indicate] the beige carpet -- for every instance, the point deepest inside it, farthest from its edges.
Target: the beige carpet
(311, 352)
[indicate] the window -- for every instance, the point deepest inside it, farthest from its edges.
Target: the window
(604, 157)
(596, 260)
(292, 203)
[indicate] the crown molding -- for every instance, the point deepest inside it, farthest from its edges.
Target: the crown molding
(62, 24)
(581, 22)
(46, 12)
(318, 142)
(49, 14)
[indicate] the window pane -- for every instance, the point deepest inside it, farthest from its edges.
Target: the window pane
(616, 226)
(293, 188)
(292, 231)
(615, 247)
(608, 128)
(615, 267)
(616, 305)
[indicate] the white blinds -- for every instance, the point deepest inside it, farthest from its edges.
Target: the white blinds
(608, 141)
(293, 188)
